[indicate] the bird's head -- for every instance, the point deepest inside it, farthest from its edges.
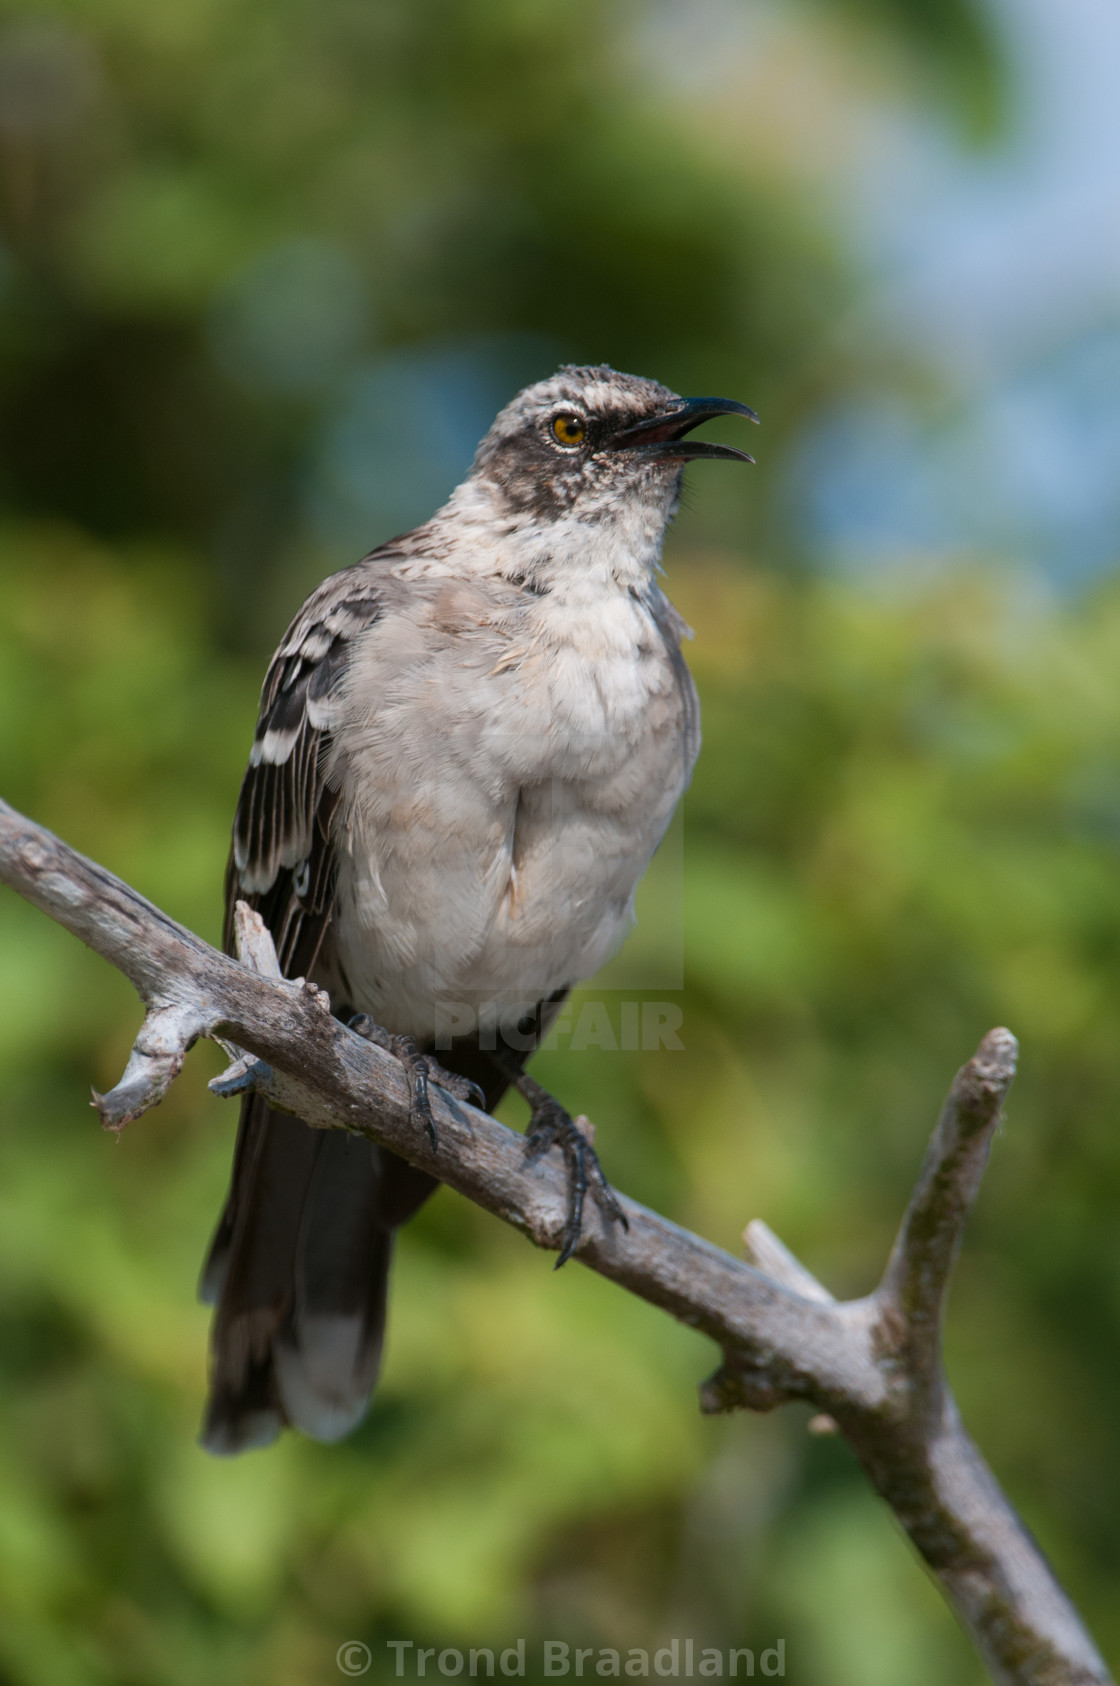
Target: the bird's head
(590, 444)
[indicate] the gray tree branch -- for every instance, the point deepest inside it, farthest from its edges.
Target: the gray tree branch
(871, 1366)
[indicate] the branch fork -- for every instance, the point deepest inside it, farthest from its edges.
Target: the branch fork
(871, 1368)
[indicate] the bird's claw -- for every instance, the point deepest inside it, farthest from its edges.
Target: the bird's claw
(419, 1069)
(463, 1088)
(551, 1126)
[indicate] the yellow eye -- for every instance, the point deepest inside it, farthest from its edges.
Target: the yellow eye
(569, 430)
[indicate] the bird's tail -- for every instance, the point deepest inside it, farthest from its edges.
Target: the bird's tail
(298, 1270)
(299, 1264)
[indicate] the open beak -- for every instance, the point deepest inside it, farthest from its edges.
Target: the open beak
(663, 437)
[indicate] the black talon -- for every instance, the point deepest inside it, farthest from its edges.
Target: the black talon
(417, 1066)
(463, 1088)
(551, 1126)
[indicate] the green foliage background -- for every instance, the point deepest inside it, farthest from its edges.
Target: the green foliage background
(240, 241)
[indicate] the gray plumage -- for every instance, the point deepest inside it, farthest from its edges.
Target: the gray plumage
(470, 744)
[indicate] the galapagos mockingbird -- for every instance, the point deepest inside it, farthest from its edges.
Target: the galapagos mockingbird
(470, 744)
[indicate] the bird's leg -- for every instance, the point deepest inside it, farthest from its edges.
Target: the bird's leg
(420, 1069)
(551, 1126)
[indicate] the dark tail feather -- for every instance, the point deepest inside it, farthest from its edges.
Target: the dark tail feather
(328, 1352)
(299, 1265)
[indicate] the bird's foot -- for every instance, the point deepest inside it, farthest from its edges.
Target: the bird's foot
(420, 1069)
(551, 1126)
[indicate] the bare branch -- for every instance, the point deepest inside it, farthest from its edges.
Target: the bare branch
(161, 1046)
(766, 1253)
(870, 1367)
(922, 1259)
(255, 947)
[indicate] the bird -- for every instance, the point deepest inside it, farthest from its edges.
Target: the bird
(470, 744)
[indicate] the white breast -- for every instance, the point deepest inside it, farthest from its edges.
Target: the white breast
(507, 775)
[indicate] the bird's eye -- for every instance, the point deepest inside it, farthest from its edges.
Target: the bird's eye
(569, 429)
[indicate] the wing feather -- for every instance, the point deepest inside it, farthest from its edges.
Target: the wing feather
(281, 860)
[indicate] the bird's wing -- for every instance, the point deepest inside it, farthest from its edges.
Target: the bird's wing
(281, 861)
(279, 1355)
